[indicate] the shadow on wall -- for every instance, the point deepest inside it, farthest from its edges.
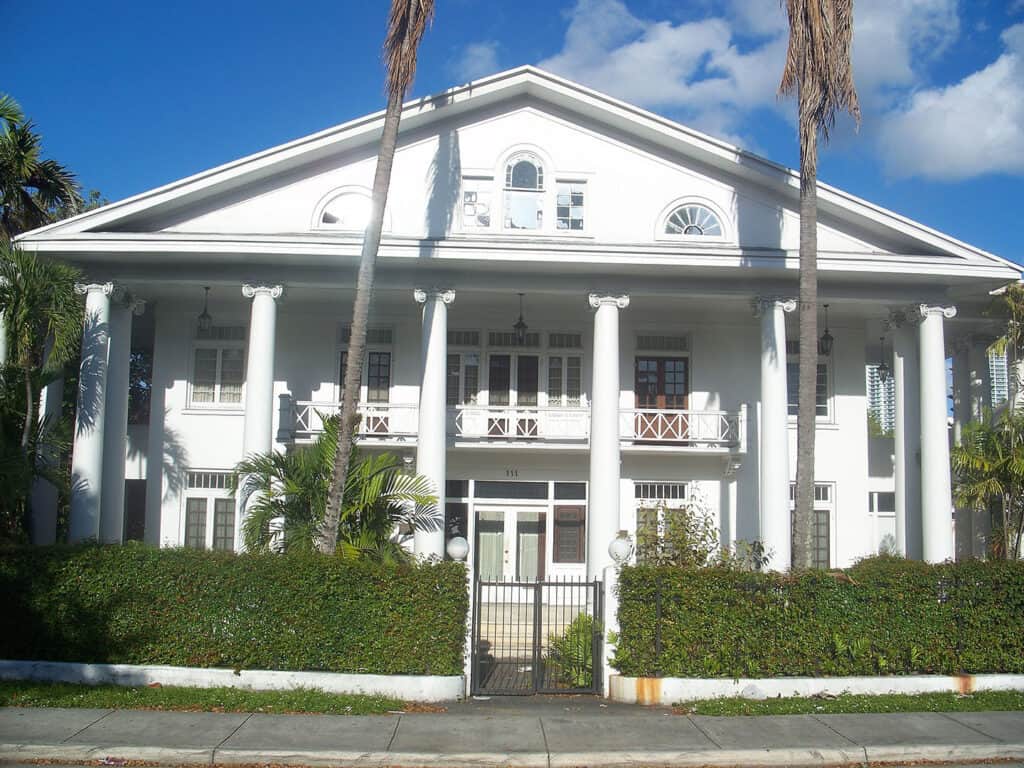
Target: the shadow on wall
(173, 459)
(94, 356)
(443, 182)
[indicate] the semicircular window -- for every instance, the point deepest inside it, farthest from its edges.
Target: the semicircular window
(693, 220)
(349, 210)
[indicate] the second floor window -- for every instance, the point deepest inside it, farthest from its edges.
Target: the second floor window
(524, 193)
(218, 373)
(820, 390)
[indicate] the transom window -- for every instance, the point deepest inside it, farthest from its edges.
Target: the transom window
(693, 220)
(349, 211)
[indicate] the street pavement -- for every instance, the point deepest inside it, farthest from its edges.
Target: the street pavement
(541, 732)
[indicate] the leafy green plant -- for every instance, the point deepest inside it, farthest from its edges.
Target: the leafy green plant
(571, 654)
(285, 495)
(135, 604)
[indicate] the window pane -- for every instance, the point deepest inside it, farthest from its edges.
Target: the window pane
(378, 377)
(500, 379)
(555, 381)
(476, 203)
(224, 524)
(886, 501)
(573, 381)
(509, 489)
(526, 380)
(524, 175)
(232, 374)
(456, 515)
(524, 210)
(820, 389)
(570, 535)
(457, 488)
(452, 385)
(821, 535)
(195, 523)
(569, 207)
(571, 491)
(471, 372)
(204, 375)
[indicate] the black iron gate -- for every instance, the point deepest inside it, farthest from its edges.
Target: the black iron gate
(537, 637)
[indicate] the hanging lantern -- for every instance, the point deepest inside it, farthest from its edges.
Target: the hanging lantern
(204, 321)
(520, 325)
(826, 341)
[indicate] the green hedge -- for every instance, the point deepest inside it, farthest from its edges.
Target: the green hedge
(140, 605)
(889, 617)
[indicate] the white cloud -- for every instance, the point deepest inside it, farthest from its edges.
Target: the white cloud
(476, 60)
(970, 128)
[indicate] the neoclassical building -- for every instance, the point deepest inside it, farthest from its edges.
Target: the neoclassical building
(584, 314)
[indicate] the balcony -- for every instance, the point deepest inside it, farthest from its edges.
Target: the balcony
(697, 431)
(707, 432)
(503, 424)
(303, 421)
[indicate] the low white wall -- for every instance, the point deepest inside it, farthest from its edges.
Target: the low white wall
(424, 688)
(670, 690)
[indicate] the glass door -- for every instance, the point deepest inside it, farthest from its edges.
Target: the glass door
(662, 384)
(511, 546)
(513, 382)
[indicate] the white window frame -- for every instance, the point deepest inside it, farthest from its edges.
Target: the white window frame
(462, 400)
(563, 355)
(662, 221)
(828, 505)
(364, 387)
(830, 411)
(216, 404)
(209, 495)
(482, 184)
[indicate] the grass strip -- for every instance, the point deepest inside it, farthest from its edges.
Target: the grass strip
(298, 700)
(983, 701)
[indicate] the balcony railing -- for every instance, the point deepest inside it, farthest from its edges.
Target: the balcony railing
(507, 423)
(697, 429)
(304, 420)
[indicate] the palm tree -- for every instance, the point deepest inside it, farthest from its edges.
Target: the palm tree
(381, 505)
(407, 22)
(989, 468)
(43, 320)
(818, 68)
(33, 191)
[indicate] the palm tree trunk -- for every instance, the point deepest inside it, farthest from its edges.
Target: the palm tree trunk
(360, 314)
(803, 529)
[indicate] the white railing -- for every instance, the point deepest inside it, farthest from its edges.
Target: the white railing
(709, 429)
(495, 422)
(376, 420)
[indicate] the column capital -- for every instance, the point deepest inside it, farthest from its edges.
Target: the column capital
(763, 304)
(444, 295)
(107, 289)
(600, 299)
(929, 310)
(273, 291)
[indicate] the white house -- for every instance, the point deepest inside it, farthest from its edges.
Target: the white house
(651, 270)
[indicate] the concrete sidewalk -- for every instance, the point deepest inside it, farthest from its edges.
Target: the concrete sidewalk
(498, 734)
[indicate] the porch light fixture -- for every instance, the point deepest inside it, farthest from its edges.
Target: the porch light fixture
(883, 367)
(826, 341)
(520, 325)
(620, 548)
(457, 549)
(204, 321)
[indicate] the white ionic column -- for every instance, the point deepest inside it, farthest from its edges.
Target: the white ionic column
(907, 435)
(936, 495)
(116, 432)
(432, 442)
(90, 417)
(603, 512)
(259, 370)
(776, 528)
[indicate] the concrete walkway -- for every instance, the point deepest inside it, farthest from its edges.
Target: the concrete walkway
(557, 733)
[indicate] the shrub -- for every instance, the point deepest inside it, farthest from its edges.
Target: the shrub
(883, 616)
(139, 605)
(571, 654)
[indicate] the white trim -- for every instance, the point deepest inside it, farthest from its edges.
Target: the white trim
(667, 691)
(425, 688)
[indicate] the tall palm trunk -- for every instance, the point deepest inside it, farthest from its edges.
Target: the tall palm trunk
(803, 520)
(406, 23)
(818, 68)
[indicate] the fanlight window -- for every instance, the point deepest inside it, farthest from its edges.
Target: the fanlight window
(693, 221)
(349, 211)
(524, 193)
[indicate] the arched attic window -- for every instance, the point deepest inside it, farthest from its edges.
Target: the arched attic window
(524, 192)
(693, 220)
(348, 211)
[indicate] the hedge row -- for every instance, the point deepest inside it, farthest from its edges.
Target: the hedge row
(883, 616)
(140, 605)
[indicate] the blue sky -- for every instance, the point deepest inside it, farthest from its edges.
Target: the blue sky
(132, 95)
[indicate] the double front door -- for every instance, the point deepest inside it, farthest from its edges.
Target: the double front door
(511, 543)
(662, 385)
